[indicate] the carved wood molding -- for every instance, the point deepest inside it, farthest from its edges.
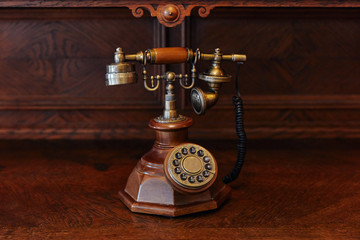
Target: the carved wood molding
(172, 13)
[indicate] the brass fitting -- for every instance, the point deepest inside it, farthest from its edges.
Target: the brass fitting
(201, 101)
(214, 77)
(120, 72)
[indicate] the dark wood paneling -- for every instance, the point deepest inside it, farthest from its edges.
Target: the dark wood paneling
(300, 80)
(52, 69)
(302, 74)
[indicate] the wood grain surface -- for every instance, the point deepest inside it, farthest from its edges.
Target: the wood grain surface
(304, 189)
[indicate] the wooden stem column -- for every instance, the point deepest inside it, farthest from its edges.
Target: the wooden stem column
(149, 191)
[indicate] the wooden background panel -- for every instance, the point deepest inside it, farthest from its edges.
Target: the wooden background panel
(302, 73)
(300, 80)
(76, 124)
(52, 73)
(54, 54)
(289, 51)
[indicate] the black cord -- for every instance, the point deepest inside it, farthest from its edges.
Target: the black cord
(240, 132)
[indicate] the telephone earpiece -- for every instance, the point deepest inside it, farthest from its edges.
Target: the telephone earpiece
(120, 72)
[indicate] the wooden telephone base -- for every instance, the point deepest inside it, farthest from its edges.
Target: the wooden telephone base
(149, 191)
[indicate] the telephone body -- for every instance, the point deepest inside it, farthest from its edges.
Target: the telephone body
(176, 177)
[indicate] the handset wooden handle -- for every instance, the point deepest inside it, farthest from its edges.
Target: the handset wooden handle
(169, 55)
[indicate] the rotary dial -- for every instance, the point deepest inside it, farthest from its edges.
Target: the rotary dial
(190, 167)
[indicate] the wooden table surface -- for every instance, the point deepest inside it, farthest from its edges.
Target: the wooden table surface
(289, 189)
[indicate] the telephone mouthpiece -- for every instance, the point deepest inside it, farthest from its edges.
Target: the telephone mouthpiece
(201, 101)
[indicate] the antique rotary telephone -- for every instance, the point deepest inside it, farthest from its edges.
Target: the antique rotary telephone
(177, 177)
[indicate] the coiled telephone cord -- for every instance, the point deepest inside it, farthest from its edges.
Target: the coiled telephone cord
(240, 132)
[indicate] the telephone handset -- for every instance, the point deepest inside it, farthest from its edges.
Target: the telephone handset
(177, 177)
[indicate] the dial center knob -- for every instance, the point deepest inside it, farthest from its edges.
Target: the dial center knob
(192, 164)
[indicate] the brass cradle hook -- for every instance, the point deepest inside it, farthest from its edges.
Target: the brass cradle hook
(158, 77)
(193, 72)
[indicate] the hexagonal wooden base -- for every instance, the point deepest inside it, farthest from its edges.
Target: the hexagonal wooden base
(209, 200)
(147, 189)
